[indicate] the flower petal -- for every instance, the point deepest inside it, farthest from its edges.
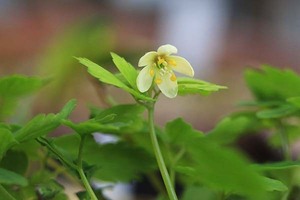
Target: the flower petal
(181, 65)
(144, 79)
(166, 49)
(167, 86)
(148, 59)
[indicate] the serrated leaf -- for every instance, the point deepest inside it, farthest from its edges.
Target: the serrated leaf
(196, 86)
(126, 69)
(6, 141)
(107, 77)
(43, 124)
(278, 112)
(11, 178)
(273, 84)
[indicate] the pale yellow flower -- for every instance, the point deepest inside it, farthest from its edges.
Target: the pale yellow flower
(158, 67)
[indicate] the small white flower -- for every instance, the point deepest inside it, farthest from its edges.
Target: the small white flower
(159, 66)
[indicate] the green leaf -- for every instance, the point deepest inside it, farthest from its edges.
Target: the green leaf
(43, 124)
(90, 126)
(14, 87)
(107, 77)
(126, 69)
(276, 165)
(273, 84)
(194, 192)
(278, 112)
(49, 190)
(127, 118)
(5, 195)
(11, 178)
(179, 132)
(224, 169)
(17, 86)
(196, 86)
(134, 161)
(230, 128)
(16, 161)
(6, 141)
(114, 162)
(295, 101)
(274, 185)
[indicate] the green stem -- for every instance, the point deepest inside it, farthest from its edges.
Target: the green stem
(52, 148)
(81, 172)
(4, 194)
(173, 164)
(159, 157)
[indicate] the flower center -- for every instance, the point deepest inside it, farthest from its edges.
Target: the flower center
(161, 62)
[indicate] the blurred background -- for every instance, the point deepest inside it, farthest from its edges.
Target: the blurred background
(220, 38)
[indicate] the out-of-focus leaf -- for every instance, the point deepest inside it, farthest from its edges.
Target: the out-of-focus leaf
(295, 101)
(230, 128)
(11, 178)
(15, 161)
(14, 87)
(273, 84)
(6, 141)
(224, 169)
(179, 132)
(119, 161)
(281, 111)
(114, 162)
(5, 195)
(126, 69)
(195, 86)
(90, 126)
(107, 77)
(43, 124)
(49, 190)
(274, 185)
(126, 118)
(276, 165)
(197, 192)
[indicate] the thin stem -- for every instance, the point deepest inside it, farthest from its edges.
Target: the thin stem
(159, 157)
(174, 162)
(51, 148)
(81, 172)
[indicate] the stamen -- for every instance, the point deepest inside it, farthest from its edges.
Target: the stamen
(158, 81)
(151, 72)
(173, 77)
(160, 60)
(172, 62)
